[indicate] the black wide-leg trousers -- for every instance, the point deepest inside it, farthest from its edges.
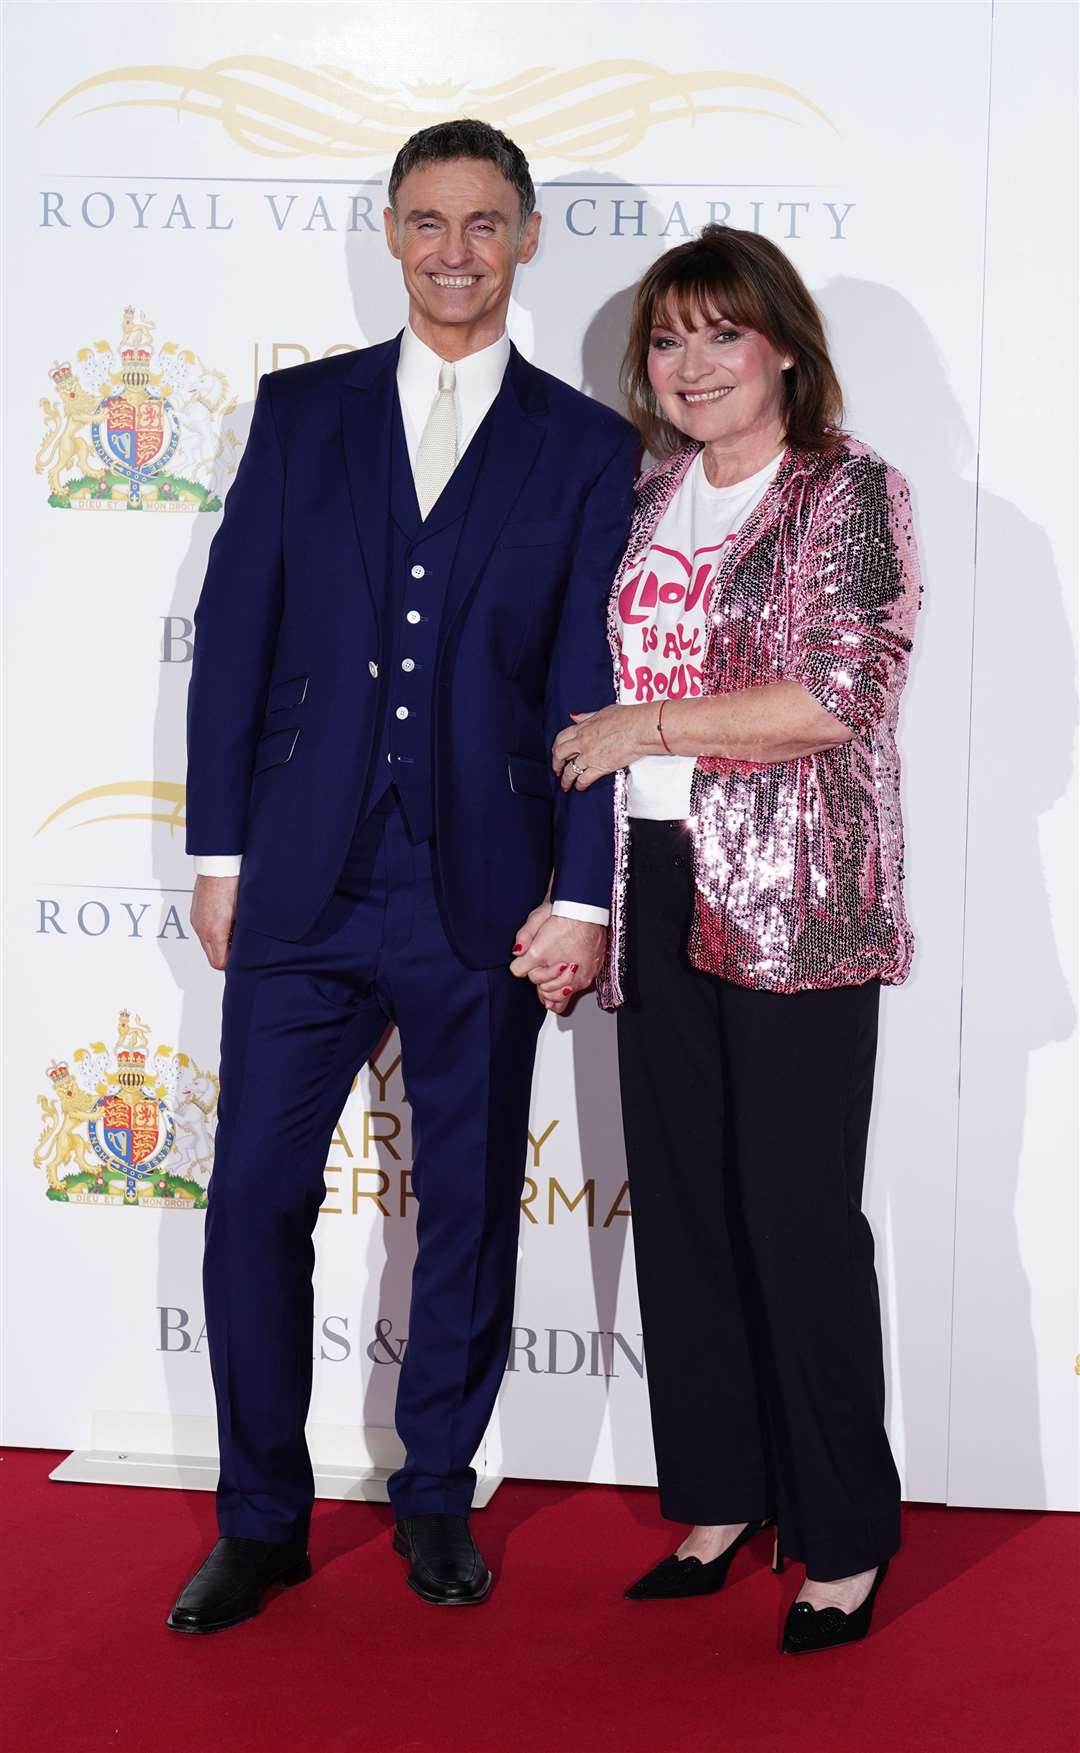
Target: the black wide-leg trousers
(746, 1116)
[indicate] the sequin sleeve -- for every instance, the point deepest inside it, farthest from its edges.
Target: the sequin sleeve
(855, 594)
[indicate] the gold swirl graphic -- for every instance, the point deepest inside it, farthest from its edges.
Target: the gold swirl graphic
(157, 790)
(587, 114)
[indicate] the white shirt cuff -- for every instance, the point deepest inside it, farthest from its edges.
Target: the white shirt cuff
(580, 910)
(218, 864)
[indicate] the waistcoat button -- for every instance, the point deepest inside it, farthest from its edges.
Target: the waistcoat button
(402, 712)
(407, 665)
(373, 668)
(418, 572)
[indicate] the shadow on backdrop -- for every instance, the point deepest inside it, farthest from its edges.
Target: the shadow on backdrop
(901, 402)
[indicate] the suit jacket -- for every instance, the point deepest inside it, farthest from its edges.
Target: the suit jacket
(286, 705)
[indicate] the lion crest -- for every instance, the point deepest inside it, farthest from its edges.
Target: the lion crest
(128, 1127)
(139, 426)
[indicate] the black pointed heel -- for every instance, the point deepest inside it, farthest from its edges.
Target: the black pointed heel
(827, 1628)
(682, 1579)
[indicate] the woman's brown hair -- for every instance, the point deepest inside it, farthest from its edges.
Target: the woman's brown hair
(746, 279)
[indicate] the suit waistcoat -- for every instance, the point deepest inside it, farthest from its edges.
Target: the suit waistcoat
(421, 553)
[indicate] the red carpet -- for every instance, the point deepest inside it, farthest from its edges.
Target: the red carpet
(974, 1646)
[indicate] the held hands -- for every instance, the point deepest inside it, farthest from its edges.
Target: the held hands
(598, 743)
(213, 910)
(561, 957)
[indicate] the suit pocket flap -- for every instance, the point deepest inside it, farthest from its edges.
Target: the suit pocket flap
(533, 777)
(275, 748)
(535, 535)
(290, 693)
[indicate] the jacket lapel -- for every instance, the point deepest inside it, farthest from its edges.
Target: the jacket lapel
(763, 517)
(518, 426)
(653, 494)
(368, 403)
(404, 506)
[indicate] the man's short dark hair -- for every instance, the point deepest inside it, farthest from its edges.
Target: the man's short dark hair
(465, 139)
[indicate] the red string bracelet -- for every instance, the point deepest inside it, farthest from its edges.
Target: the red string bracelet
(668, 750)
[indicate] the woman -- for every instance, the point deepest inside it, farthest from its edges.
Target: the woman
(761, 624)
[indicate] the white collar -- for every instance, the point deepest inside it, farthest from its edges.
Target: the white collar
(478, 375)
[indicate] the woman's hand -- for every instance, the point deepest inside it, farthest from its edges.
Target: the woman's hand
(598, 743)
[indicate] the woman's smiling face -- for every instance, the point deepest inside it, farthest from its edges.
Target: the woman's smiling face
(719, 381)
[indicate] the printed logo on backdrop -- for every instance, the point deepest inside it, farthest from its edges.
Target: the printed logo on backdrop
(139, 426)
(149, 790)
(376, 1176)
(130, 1128)
(588, 114)
(81, 912)
(534, 1351)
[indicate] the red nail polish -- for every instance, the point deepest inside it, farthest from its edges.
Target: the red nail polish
(562, 967)
(566, 991)
(517, 949)
(573, 968)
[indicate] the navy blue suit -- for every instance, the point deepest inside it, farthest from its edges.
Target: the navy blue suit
(372, 703)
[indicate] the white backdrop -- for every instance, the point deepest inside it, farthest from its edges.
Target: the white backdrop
(203, 186)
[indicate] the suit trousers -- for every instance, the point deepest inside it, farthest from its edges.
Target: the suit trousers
(299, 1020)
(746, 1116)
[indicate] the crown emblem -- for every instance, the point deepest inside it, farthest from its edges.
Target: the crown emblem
(61, 374)
(130, 1068)
(58, 1070)
(135, 367)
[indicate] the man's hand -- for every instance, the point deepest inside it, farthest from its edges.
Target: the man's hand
(524, 938)
(213, 910)
(562, 957)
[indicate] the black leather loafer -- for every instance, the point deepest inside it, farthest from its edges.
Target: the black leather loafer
(232, 1584)
(447, 1570)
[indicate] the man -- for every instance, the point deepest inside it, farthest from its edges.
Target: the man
(405, 602)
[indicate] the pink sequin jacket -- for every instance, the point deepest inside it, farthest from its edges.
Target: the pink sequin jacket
(798, 865)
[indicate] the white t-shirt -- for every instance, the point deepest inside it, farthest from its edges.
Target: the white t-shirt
(663, 613)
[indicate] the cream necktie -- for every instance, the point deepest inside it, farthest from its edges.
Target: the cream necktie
(436, 458)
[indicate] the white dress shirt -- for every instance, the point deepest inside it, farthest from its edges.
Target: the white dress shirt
(476, 384)
(477, 381)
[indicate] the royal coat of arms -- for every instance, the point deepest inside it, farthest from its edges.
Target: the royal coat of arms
(138, 427)
(128, 1128)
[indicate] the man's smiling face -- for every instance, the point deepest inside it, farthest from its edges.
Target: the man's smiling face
(457, 232)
